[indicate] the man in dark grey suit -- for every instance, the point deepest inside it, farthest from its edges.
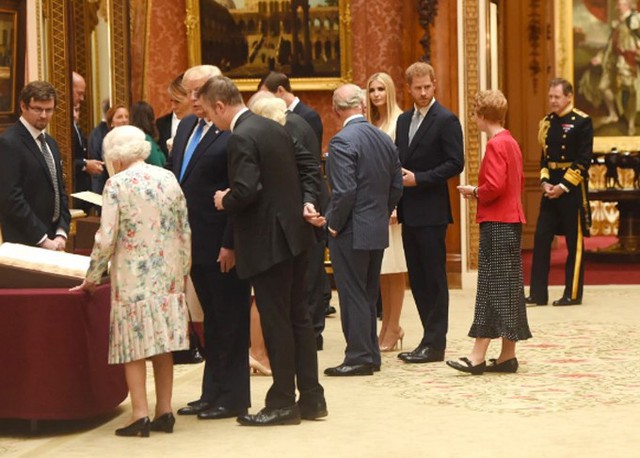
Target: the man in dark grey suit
(33, 202)
(429, 138)
(272, 239)
(366, 182)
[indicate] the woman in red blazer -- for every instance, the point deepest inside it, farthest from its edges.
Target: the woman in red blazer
(500, 310)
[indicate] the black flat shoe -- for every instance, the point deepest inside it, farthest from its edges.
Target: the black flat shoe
(163, 423)
(509, 366)
(529, 300)
(137, 428)
(464, 365)
(567, 301)
(270, 417)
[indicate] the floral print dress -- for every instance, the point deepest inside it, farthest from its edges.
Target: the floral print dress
(145, 233)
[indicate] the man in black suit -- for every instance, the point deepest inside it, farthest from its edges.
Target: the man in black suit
(199, 161)
(319, 286)
(33, 202)
(429, 138)
(272, 240)
(180, 107)
(366, 183)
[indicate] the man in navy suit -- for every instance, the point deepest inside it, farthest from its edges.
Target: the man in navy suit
(366, 182)
(429, 138)
(272, 191)
(33, 202)
(199, 161)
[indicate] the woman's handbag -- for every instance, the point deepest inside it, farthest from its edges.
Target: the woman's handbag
(194, 354)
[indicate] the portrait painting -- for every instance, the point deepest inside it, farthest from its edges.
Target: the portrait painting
(8, 41)
(606, 67)
(306, 39)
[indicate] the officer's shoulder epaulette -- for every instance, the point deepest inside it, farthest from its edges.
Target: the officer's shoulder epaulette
(580, 113)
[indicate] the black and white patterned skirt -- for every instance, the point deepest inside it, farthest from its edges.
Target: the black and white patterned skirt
(500, 308)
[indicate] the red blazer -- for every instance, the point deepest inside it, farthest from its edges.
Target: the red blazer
(501, 181)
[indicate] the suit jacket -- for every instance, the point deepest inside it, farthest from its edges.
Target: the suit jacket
(434, 155)
(366, 183)
(27, 200)
(205, 174)
(266, 197)
(81, 178)
(163, 123)
(312, 117)
(95, 152)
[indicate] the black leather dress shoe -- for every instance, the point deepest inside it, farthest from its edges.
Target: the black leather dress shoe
(195, 408)
(344, 370)
(216, 413)
(567, 301)
(529, 300)
(465, 365)
(313, 411)
(509, 366)
(424, 355)
(270, 416)
(163, 423)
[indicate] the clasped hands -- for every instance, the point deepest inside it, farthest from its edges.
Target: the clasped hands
(552, 191)
(466, 191)
(58, 243)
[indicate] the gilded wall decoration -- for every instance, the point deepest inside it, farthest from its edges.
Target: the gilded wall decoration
(427, 12)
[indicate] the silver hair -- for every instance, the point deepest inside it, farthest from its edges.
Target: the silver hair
(272, 108)
(201, 72)
(125, 144)
(348, 96)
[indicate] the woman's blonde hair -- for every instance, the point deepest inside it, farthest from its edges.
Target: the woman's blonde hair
(272, 108)
(491, 105)
(391, 108)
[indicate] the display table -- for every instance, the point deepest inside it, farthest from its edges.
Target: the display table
(627, 248)
(54, 355)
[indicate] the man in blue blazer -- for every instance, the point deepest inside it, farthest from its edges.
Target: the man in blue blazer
(430, 141)
(33, 203)
(366, 182)
(199, 161)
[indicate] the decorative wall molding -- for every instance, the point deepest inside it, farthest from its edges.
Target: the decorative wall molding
(471, 49)
(56, 20)
(534, 35)
(427, 12)
(119, 31)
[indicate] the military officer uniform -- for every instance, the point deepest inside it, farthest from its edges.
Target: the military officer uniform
(567, 143)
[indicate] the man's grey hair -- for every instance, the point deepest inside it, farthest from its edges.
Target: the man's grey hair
(348, 96)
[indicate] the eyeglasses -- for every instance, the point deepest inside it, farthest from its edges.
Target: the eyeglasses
(39, 110)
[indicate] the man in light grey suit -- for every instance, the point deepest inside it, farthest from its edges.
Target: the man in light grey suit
(366, 180)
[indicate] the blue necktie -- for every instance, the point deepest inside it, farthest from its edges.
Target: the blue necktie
(191, 147)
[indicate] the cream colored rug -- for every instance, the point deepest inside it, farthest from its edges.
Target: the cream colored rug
(577, 394)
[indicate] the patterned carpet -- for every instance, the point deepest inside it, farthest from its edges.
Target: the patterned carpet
(564, 367)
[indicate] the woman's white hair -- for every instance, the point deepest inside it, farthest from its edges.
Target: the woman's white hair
(126, 144)
(272, 108)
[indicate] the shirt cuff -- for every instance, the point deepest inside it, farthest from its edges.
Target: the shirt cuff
(564, 188)
(61, 233)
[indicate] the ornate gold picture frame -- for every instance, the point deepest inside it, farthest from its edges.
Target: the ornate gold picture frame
(587, 55)
(309, 40)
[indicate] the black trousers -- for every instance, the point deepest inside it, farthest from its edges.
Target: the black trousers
(288, 332)
(558, 216)
(426, 255)
(226, 301)
(317, 281)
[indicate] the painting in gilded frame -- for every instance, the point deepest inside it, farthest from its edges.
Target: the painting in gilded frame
(605, 68)
(309, 40)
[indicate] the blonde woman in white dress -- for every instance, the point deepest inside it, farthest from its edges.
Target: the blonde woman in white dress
(383, 112)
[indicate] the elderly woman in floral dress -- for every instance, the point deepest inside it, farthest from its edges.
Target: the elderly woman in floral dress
(145, 234)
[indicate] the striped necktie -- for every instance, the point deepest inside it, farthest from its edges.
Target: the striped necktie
(51, 165)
